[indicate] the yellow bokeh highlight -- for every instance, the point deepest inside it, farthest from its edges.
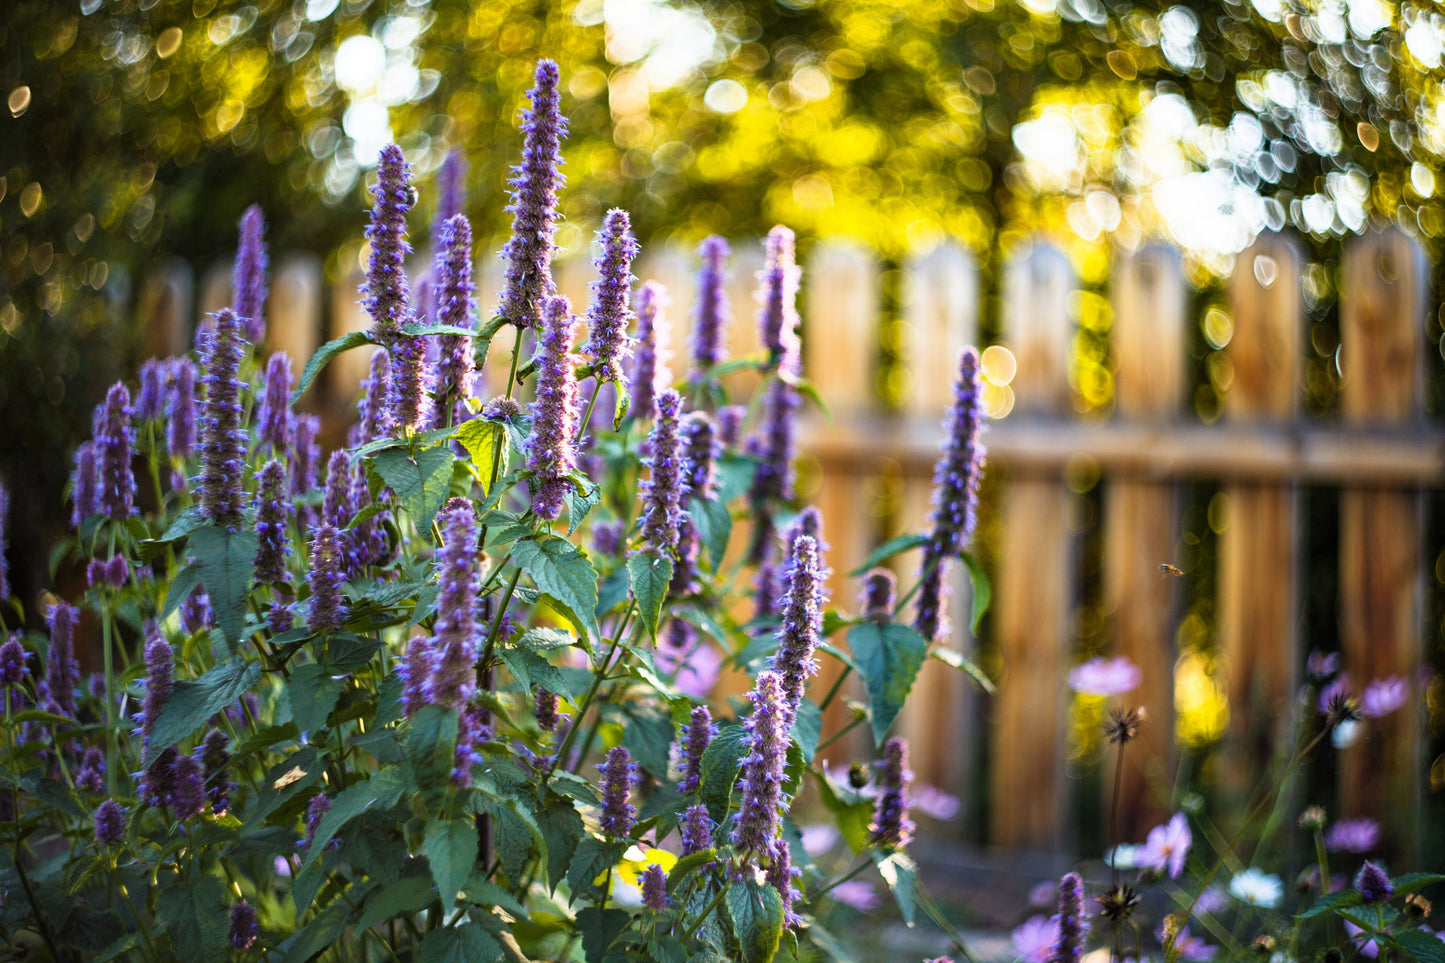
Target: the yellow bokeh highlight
(1201, 709)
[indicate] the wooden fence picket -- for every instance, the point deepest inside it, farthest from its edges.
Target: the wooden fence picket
(164, 309)
(293, 310)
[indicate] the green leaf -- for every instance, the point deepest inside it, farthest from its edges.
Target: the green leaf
(564, 574)
(1410, 882)
(808, 728)
(416, 330)
(531, 669)
(650, 578)
(422, 481)
(600, 928)
(687, 865)
(451, 849)
(410, 894)
(888, 658)
(187, 580)
(890, 548)
(191, 703)
(477, 889)
(735, 476)
(226, 559)
(1424, 947)
(622, 405)
(714, 526)
(545, 639)
(486, 442)
(590, 861)
(720, 770)
(757, 919)
(1330, 902)
(381, 791)
(467, 943)
(311, 694)
(563, 829)
(579, 504)
(982, 590)
(648, 737)
(319, 360)
(195, 918)
(852, 812)
(319, 935)
(899, 872)
(953, 660)
(432, 749)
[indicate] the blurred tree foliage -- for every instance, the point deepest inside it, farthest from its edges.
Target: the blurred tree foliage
(140, 129)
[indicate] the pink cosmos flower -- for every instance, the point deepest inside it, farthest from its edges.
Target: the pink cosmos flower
(1359, 835)
(1382, 697)
(1322, 665)
(935, 803)
(1034, 939)
(1363, 943)
(1212, 900)
(856, 893)
(1167, 846)
(1191, 948)
(1105, 677)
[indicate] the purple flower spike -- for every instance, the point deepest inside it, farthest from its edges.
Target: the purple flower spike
(654, 887)
(273, 510)
(879, 586)
(778, 315)
(610, 313)
(767, 581)
(891, 826)
(12, 662)
(113, 440)
(699, 458)
(117, 571)
(244, 928)
(84, 491)
(545, 709)
(456, 624)
(696, 830)
(713, 313)
(250, 275)
(196, 614)
(801, 626)
(337, 508)
(373, 410)
(273, 409)
(109, 823)
(1358, 835)
(1073, 923)
(534, 185)
(607, 537)
(453, 270)
(150, 402)
(214, 753)
(319, 806)
(650, 370)
(955, 495)
(223, 442)
(780, 876)
(807, 522)
(773, 480)
(384, 293)
(761, 766)
(730, 424)
(91, 774)
(62, 672)
(472, 734)
(181, 408)
(188, 798)
(700, 731)
(160, 675)
(619, 773)
(408, 392)
(1373, 884)
(452, 182)
(551, 448)
(328, 605)
(666, 487)
(415, 671)
(157, 781)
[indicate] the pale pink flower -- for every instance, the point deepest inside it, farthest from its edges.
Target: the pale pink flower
(1359, 835)
(1034, 939)
(1167, 846)
(935, 803)
(856, 893)
(1105, 677)
(1382, 697)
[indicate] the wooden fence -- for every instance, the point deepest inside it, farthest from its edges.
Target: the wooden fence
(1378, 453)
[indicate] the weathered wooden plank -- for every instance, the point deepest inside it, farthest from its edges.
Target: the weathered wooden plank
(343, 376)
(840, 334)
(164, 309)
(940, 316)
(1141, 521)
(1034, 591)
(293, 312)
(1257, 553)
(1381, 318)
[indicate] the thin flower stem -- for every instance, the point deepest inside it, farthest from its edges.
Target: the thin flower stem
(838, 735)
(591, 403)
(145, 931)
(864, 864)
(512, 374)
(837, 685)
(697, 921)
(1117, 828)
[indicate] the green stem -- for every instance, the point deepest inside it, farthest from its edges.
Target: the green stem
(586, 702)
(837, 684)
(696, 923)
(591, 403)
(844, 878)
(838, 735)
(145, 932)
(111, 749)
(30, 897)
(516, 355)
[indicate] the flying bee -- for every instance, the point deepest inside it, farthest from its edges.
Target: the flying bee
(1166, 569)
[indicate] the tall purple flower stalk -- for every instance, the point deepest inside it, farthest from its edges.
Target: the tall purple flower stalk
(700, 731)
(273, 509)
(801, 626)
(273, 408)
(84, 491)
(619, 773)
(773, 480)
(452, 183)
(214, 754)
(409, 391)
(319, 806)
(249, 275)
(778, 314)
(696, 830)
(650, 359)
(712, 313)
(955, 495)
(699, 447)
(610, 312)
(109, 823)
(453, 271)
(544, 708)
(62, 671)
(244, 929)
(12, 662)
(305, 453)
(472, 734)
(1073, 923)
(551, 448)
(780, 876)
(223, 442)
(761, 767)
(730, 424)
(415, 671)
(654, 887)
(891, 826)
(808, 522)
(373, 413)
(181, 408)
(456, 625)
(150, 401)
(328, 604)
(666, 487)
(160, 663)
(385, 293)
(336, 507)
(113, 441)
(877, 595)
(534, 185)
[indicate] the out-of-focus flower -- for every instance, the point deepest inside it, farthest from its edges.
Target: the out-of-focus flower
(1257, 888)
(1322, 665)
(1167, 846)
(1191, 948)
(1364, 943)
(1034, 940)
(697, 668)
(1123, 856)
(857, 894)
(1373, 884)
(1105, 677)
(819, 838)
(1211, 901)
(935, 803)
(1383, 696)
(1359, 835)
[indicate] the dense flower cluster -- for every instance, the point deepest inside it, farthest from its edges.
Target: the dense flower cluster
(551, 447)
(610, 313)
(533, 208)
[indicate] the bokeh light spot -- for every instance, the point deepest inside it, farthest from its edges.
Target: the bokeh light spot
(725, 97)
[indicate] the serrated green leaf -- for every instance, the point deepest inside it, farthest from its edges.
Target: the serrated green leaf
(757, 920)
(1424, 947)
(590, 861)
(319, 360)
(970, 668)
(531, 669)
(467, 943)
(852, 813)
(191, 703)
(545, 639)
(719, 770)
(563, 829)
(714, 526)
(687, 865)
(381, 791)
(650, 576)
(311, 694)
(422, 481)
(888, 658)
(432, 749)
(451, 849)
(564, 575)
(599, 929)
(808, 728)
(410, 894)
(580, 504)
(622, 405)
(194, 918)
(890, 548)
(1343, 899)
(486, 442)
(1410, 882)
(226, 559)
(415, 330)
(318, 935)
(899, 872)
